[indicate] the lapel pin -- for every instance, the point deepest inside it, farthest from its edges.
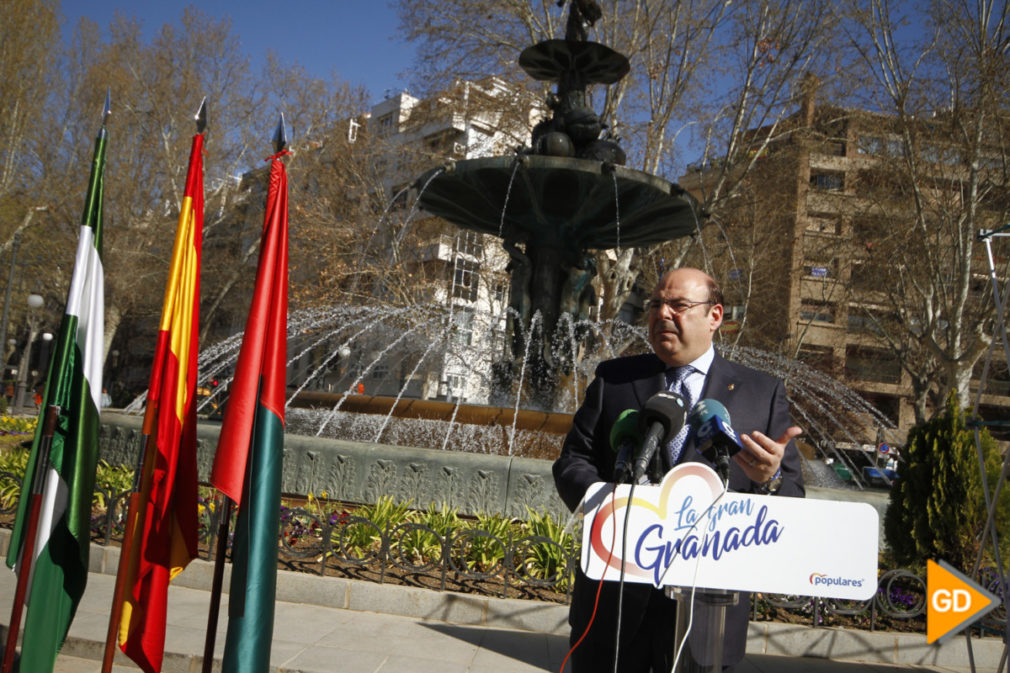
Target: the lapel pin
(731, 386)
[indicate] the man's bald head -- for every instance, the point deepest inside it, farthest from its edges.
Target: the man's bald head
(684, 312)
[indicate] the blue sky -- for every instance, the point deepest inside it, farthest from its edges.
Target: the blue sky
(353, 38)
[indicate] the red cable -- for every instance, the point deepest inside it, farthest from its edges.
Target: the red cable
(599, 586)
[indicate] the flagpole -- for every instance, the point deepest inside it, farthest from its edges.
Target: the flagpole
(140, 495)
(216, 585)
(28, 549)
(127, 568)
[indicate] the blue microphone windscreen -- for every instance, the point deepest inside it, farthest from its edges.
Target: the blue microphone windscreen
(706, 409)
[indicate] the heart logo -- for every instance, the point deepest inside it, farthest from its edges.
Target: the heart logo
(658, 503)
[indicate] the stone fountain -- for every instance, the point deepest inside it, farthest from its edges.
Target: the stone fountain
(553, 203)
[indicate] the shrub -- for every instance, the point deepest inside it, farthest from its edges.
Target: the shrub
(545, 561)
(937, 506)
(12, 470)
(441, 519)
(23, 425)
(359, 534)
(481, 545)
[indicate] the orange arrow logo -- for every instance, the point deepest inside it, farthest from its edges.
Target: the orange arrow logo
(954, 601)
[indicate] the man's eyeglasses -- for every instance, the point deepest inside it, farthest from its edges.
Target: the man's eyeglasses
(677, 306)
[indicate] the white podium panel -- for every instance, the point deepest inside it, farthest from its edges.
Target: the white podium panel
(687, 532)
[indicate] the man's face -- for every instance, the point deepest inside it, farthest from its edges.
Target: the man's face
(680, 337)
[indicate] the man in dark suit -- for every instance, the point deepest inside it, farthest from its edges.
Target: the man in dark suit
(684, 313)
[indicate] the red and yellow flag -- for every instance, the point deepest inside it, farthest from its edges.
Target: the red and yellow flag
(165, 537)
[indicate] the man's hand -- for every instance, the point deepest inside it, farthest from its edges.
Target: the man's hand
(763, 456)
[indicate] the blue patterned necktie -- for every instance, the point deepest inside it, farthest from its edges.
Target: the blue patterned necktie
(678, 385)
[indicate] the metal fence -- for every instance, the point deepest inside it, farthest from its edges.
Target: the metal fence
(499, 562)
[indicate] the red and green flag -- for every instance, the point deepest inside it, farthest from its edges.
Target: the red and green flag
(59, 571)
(165, 529)
(247, 467)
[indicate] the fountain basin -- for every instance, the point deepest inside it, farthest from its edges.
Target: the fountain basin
(469, 414)
(558, 202)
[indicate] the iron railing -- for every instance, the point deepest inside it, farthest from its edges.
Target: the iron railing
(319, 542)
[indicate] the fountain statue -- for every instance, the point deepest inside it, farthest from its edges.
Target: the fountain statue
(553, 203)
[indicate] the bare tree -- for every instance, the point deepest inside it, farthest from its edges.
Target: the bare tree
(938, 175)
(28, 36)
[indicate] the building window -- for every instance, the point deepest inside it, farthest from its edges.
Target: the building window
(866, 321)
(734, 312)
(499, 292)
(385, 124)
(888, 405)
(470, 243)
(824, 223)
(818, 311)
(890, 147)
(828, 182)
(465, 278)
(871, 145)
(856, 323)
(998, 380)
(871, 364)
(836, 149)
(818, 357)
(455, 386)
(462, 333)
(990, 163)
(869, 229)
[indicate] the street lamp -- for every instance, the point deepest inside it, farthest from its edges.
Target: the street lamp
(35, 302)
(44, 351)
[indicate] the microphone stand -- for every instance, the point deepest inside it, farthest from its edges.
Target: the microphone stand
(708, 604)
(722, 465)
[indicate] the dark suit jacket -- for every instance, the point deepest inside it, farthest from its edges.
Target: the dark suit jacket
(755, 401)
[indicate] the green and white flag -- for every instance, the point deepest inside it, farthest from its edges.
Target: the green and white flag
(59, 571)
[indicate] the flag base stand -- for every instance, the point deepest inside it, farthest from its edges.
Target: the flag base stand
(710, 632)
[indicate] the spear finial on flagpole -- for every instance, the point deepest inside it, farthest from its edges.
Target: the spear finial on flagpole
(201, 116)
(107, 110)
(280, 136)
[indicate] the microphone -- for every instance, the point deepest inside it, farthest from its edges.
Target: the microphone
(713, 436)
(624, 437)
(660, 420)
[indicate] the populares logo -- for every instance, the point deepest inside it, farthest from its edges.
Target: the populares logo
(820, 579)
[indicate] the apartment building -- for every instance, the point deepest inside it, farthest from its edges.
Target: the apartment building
(464, 271)
(829, 201)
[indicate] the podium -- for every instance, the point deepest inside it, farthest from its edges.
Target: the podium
(686, 533)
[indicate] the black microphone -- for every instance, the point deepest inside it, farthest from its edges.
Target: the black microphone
(660, 420)
(624, 437)
(713, 436)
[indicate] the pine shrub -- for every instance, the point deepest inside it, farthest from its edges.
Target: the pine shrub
(937, 505)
